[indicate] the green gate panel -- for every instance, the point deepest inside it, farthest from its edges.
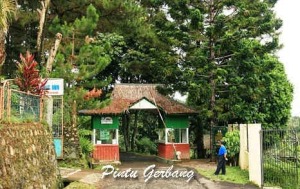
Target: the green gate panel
(218, 132)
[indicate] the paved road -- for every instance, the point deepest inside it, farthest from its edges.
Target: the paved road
(196, 182)
(146, 173)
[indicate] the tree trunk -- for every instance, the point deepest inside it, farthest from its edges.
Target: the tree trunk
(74, 114)
(8, 8)
(135, 130)
(199, 142)
(42, 14)
(125, 125)
(2, 49)
(212, 75)
(53, 53)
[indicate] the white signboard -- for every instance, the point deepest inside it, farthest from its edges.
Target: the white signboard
(55, 86)
(106, 120)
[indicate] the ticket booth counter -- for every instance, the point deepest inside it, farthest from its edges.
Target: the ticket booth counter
(105, 138)
(173, 140)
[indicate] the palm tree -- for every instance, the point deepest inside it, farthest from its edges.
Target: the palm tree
(8, 10)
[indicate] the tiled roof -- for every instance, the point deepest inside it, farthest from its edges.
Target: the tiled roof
(125, 95)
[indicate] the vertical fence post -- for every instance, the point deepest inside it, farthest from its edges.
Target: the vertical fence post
(41, 107)
(62, 123)
(8, 103)
(2, 99)
(1, 102)
(261, 133)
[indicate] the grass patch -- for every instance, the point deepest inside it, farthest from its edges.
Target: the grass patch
(73, 163)
(80, 185)
(233, 174)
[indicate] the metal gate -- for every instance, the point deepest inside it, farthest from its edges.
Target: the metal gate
(280, 159)
(217, 133)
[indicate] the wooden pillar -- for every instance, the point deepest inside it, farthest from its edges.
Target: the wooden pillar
(8, 104)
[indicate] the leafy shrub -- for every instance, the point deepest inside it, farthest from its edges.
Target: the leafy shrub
(28, 77)
(147, 146)
(73, 163)
(86, 145)
(232, 142)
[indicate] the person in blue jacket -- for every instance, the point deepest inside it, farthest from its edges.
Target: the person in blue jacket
(221, 159)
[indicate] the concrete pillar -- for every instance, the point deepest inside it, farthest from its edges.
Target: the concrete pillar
(255, 153)
(49, 113)
(244, 154)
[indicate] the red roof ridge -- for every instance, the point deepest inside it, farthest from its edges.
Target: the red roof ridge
(124, 95)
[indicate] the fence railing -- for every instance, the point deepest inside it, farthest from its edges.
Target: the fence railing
(18, 106)
(280, 158)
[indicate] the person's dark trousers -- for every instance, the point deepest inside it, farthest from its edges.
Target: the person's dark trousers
(221, 165)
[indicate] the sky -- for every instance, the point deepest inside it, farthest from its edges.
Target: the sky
(289, 12)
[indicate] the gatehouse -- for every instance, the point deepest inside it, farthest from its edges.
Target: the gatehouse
(173, 118)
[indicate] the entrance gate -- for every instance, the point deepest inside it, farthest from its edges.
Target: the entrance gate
(217, 133)
(280, 160)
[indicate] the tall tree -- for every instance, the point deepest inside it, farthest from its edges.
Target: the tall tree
(220, 51)
(235, 58)
(82, 56)
(42, 16)
(228, 60)
(22, 35)
(8, 9)
(145, 49)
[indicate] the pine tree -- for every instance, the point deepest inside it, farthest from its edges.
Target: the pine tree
(21, 35)
(80, 58)
(229, 50)
(229, 66)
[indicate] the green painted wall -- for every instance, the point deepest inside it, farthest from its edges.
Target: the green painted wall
(96, 122)
(177, 121)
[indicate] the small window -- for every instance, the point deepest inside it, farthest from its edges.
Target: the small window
(105, 136)
(177, 135)
(161, 135)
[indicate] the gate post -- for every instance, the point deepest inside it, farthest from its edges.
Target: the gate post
(255, 154)
(244, 147)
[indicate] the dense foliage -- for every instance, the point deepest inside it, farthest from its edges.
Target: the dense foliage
(8, 9)
(219, 52)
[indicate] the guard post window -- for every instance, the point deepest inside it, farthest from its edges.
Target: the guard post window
(105, 136)
(177, 135)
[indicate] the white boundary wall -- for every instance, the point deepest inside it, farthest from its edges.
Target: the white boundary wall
(254, 155)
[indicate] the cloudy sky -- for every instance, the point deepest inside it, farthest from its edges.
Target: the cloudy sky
(288, 11)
